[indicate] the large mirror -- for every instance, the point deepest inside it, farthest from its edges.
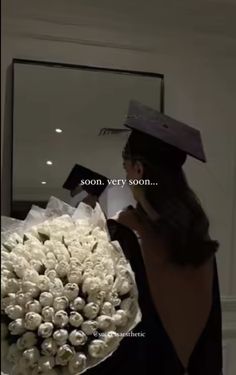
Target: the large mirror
(58, 112)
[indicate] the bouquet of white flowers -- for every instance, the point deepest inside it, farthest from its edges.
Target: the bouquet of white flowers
(68, 294)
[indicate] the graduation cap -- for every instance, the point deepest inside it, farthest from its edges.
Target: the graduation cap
(79, 173)
(166, 130)
(158, 137)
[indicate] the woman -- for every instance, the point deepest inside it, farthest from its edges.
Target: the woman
(166, 238)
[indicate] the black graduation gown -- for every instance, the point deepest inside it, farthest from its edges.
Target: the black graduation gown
(154, 353)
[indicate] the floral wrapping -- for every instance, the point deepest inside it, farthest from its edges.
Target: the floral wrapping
(68, 294)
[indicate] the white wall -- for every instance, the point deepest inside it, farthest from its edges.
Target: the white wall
(200, 88)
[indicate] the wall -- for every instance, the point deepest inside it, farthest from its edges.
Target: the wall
(200, 88)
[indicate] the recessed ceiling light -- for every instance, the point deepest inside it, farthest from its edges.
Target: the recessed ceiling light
(43, 182)
(58, 130)
(49, 162)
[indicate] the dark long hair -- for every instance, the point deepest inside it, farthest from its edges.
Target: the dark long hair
(182, 222)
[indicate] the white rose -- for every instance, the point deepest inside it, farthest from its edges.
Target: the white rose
(9, 300)
(75, 277)
(97, 348)
(97, 298)
(120, 318)
(60, 336)
(45, 329)
(105, 322)
(30, 287)
(75, 319)
(56, 287)
(107, 309)
(31, 275)
(17, 327)
(44, 283)
(64, 355)
(11, 286)
(26, 341)
(60, 303)
(14, 311)
(46, 299)
(71, 291)
(89, 327)
(62, 268)
(78, 304)
(33, 306)
(61, 318)
(32, 321)
(48, 314)
(91, 310)
(77, 337)
(31, 356)
(51, 274)
(49, 347)
(46, 363)
(77, 363)
(23, 298)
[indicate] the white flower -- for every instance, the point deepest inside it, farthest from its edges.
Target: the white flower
(7, 274)
(91, 285)
(62, 268)
(71, 291)
(13, 354)
(60, 303)
(31, 275)
(43, 283)
(45, 329)
(17, 327)
(60, 336)
(77, 363)
(14, 311)
(31, 356)
(23, 298)
(97, 348)
(46, 363)
(77, 337)
(56, 287)
(30, 287)
(51, 274)
(97, 298)
(105, 322)
(112, 339)
(26, 341)
(9, 300)
(61, 318)
(33, 306)
(75, 319)
(89, 327)
(64, 354)
(78, 304)
(120, 318)
(12, 286)
(32, 321)
(49, 347)
(107, 309)
(46, 299)
(91, 310)
(48, 314)
(75, 276)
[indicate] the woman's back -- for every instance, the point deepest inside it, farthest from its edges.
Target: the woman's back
(180, 306)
